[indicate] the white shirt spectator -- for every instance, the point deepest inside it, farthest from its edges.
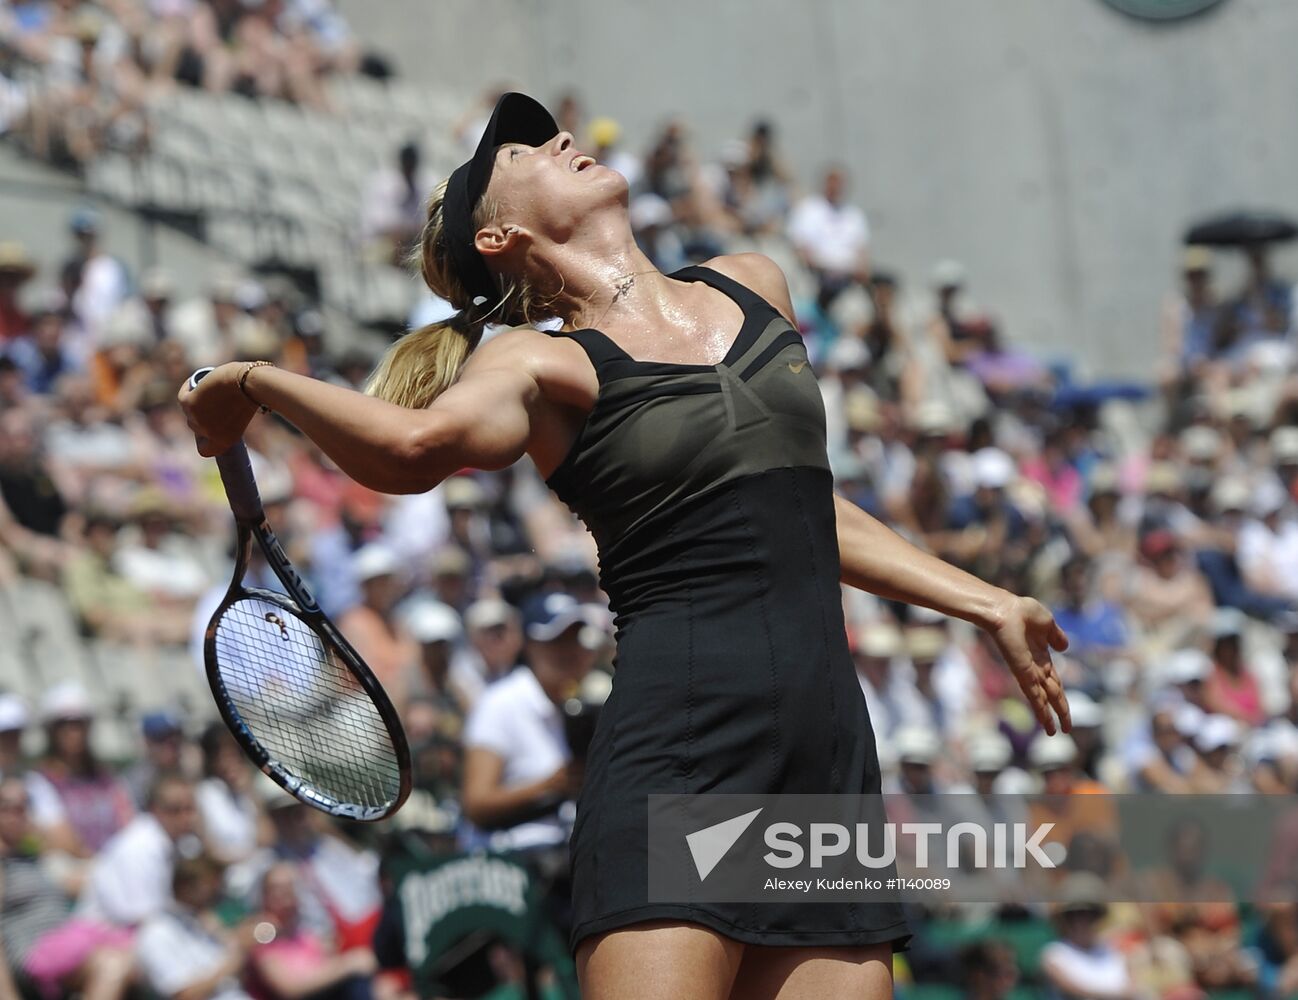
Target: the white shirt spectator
(104, 287)
(390, 206)
(1100, 970)
(130, 880)
(175, 950)
(44, 805)
(516, 721)
(1267, 558)
(170, 569)
(898, 703)
(229, 820)
(832, 236)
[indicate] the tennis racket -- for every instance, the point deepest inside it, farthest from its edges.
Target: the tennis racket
(295, 694)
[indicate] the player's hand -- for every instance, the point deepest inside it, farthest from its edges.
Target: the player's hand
(1025, 634)
(217, 412)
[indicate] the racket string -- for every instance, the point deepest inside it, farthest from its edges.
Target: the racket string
(303, 705)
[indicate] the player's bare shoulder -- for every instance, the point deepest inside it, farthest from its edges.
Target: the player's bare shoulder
(758, 272)
(558, 365)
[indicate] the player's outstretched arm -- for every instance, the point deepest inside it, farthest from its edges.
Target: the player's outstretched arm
(482, 421)
(873, 557)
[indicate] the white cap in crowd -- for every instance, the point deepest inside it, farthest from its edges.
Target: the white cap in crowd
(1046, 753)
(1227, 622)
(1086, 712)
(432, 621)
(993, 469)
(916, 745)
(1284, 445)
(879, 640)
(1185, 666)
(1200, 443)
(65, 702)
(1187, 719)
(989, 752)
(1269, 497)
(488, 612)
(374, 560)
(13, 713)
(1217, 731)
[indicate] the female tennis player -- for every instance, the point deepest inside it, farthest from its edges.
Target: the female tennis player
(677, 416)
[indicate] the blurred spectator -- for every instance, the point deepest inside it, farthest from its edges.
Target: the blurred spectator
(371, 626)
(1166, 596)
(293, 964)
(164, 745)
(495, 638)
(33, 509)
(211, 327)
(758, 183)
(1278, 948)
(1268, 543)
(151, 310)
(34, 913)
(605, 145)
(392, 211)
(109, 605)
(104, 283)
(182, 950)
(518, 769)
(1080, 963)
(436, 628)
(159, 560)
(1190, 319)
(45, 354)
(892, 699)
(338, 886)
(1192, 906)
(1161, 760)
(1095, 627)
(952, 328)
(1232, 688)
(130, 878)
(988, 970)
(651, 221)
(16, 269)
(832, 238)
(1218, 740)
(42, 806)
(96, 802)
(232, 820)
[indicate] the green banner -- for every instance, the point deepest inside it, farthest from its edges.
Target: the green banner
(448, 900)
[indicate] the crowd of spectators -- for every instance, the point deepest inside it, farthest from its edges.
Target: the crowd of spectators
(1155, 519)
(101, 64)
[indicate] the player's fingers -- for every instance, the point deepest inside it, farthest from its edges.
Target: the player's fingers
(1036, 697)
(1058, 638)
(1059, 701)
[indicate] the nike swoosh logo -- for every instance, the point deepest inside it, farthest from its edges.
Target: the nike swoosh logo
(797, 366)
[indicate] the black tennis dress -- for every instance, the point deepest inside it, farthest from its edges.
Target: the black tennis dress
(708, 491)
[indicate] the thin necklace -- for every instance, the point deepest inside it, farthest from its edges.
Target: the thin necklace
(622, 285)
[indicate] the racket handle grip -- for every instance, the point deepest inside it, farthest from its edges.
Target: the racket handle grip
(240, 486)
(236, 474)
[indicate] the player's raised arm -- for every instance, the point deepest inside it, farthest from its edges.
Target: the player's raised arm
(481, 421)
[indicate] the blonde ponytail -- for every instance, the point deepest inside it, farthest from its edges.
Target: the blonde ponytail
(424, 363)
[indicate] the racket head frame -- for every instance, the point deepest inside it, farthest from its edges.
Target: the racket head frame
(250, 522)
(302, 606)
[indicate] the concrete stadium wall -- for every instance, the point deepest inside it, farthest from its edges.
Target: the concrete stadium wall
(1057, 147)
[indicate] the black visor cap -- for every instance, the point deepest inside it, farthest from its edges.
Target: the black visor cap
(516, 118)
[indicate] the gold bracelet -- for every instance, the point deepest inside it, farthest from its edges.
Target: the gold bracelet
(243, 378)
